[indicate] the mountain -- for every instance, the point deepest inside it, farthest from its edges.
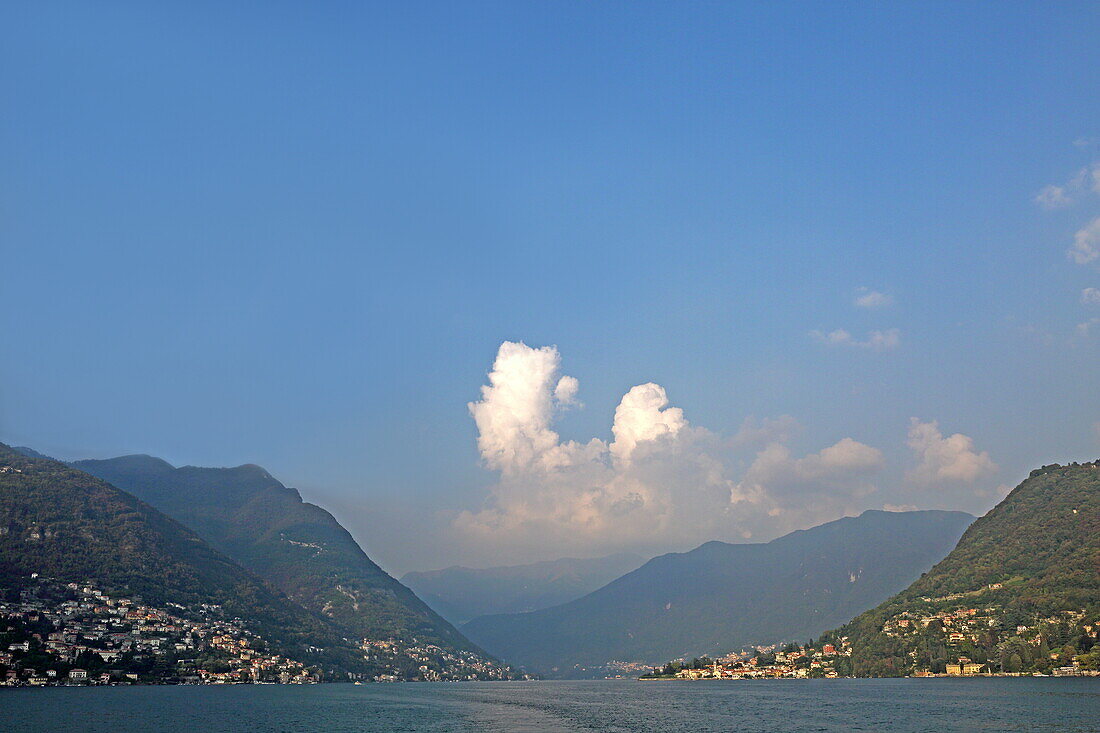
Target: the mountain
(720, 597)
(1024, 580)
(62, 523)
(31, 452)
(298, 547)
(460, 594)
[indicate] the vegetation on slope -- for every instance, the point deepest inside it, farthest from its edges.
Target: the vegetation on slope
(721, 597)
(1029, 569)
(65, 524)
(298, 547)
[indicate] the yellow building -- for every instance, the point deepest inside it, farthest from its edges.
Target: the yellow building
(965, 669)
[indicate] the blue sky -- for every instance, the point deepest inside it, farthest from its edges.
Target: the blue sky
(297, 234)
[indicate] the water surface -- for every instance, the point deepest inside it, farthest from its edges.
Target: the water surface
(909, 706)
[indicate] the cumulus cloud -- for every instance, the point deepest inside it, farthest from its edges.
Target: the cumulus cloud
(1086, 243)
(514, 414)
(776, 471)
(641, 416)
(566, 391)
(875, 341)
(867, 298)
(945, 460)
(659, 481)
(1090, 296)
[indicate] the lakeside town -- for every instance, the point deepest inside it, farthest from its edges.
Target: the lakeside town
(76, 634)
(62, 634)
(791, 661)
(953, 641)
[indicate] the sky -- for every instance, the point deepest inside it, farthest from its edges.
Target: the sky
(504, 282)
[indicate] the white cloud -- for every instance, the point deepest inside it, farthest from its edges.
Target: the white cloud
(516, 408)
(945, 460)
(1090, 296)
(899, 508)
(659, 482)
(566, 391)
(875, 341)
(1053, 197)
(1086, 179)
(823, 482)
(1085, 329)
(642, 415)
(1086, 243)
(866, 298)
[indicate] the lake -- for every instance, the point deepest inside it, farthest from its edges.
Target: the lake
(936, 705)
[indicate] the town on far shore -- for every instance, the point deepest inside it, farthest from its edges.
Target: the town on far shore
(960, 642)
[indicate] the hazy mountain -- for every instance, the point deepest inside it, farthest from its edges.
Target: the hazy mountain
(65, 524)
(460, 594)
(298, 547)
(31, 452)
(1033, 557)
(720, 597)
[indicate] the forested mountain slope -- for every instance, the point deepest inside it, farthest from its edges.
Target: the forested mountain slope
(1022, 579)
(721, 597)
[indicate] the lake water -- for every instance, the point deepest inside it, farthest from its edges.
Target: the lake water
(938, 706)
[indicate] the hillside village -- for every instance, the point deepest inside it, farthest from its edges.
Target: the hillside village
(75, 634)
(950, 642)
(943, 638)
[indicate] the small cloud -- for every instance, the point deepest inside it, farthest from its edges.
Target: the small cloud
(882, 340)
(875, 341)
(1086, 243)
(1084, 142)
(839, 337)
(867, 298)
(1053, 197)
(566, 391)
(1088, 328)
(899, 508)
(1090, 296)
(951, 459)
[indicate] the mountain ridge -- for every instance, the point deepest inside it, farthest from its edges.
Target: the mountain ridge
(460, 594)
(64, 523)
(297, 546)
(707, 600)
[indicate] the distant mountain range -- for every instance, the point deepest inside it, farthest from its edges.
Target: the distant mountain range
(297, 547)
(721, 597)
(460, 594)
(1023, 581)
